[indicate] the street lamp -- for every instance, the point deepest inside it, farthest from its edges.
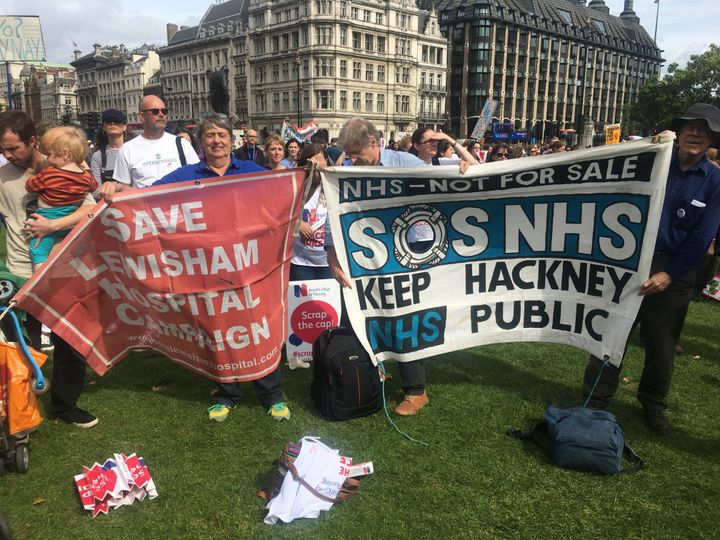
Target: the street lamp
(297, 63)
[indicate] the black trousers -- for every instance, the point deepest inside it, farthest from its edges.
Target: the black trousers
(411, 373)
(662, 316)
(68, 375)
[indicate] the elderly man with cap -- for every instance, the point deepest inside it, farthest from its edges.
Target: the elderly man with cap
(688, 223)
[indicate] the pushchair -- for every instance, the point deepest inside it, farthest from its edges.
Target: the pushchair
(20, 381)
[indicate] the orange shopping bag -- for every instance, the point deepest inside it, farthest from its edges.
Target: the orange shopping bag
(22, 407)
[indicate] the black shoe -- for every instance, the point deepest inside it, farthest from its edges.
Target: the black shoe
(657, 421)
(79, 418)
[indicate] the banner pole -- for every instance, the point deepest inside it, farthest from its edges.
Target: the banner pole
(9, 85)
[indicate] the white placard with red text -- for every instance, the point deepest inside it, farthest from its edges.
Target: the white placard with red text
(313, 307)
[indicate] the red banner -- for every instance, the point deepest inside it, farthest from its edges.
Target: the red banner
(197, 271)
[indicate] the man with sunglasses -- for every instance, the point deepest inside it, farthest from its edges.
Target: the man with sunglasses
(155, 153)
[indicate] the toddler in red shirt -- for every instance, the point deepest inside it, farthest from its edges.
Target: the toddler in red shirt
(62, 188)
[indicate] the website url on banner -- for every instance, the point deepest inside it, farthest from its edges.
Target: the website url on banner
(204, 362)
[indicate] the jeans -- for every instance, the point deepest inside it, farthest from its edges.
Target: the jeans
(267, 389)
(299, 272)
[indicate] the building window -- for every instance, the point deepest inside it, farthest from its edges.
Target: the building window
(276, 102)
(369, 72)
(379, 18)
(366, 16)
(324, 66)
(402, 47)
(324, 99)
(381, 103)
(276, 43)
(286, 101)
(343, 69)
(323, 35)
(356, 101)
(343, 8)
(260, 102)
(381, 74)
(275, 73)
(285, 72)
(369, 42)
(381, 44)
(259, 74)
(259, 46)
(343, 37)
(322, 7)
(368, 102)
(356, 71)
(306, 36)
(354, 13)
(356, 36)
(405, 104)
(343, 100)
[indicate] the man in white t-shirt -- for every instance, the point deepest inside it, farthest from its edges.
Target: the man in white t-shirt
(155, 153)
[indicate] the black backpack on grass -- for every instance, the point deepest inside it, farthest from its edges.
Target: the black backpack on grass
(345, 383)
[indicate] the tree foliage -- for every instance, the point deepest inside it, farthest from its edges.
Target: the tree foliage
(661, 100)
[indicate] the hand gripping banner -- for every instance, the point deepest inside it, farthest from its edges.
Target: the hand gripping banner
(197, 271)
(551, 248)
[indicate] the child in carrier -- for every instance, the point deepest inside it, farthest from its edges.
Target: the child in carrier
(62, 187)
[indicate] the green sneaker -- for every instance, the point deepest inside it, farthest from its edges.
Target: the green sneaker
(218, 412)
(279, 411)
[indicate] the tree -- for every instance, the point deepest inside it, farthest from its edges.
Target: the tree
(660, 100)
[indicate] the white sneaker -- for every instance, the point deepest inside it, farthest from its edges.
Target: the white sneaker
(46, 344)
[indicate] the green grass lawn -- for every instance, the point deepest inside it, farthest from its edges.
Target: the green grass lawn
(472, 481)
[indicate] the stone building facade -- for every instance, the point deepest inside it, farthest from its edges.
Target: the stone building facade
(550, 64)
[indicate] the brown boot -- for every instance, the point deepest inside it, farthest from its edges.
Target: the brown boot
(411, 404)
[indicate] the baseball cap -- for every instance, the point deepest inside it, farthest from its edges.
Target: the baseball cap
(114, 114)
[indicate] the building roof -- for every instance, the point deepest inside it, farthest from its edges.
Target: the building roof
(565, 17)
(188, 33)
(218, 18)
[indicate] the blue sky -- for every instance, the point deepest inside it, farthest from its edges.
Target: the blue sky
(684, 28)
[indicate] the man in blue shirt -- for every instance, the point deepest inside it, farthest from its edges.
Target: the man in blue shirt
(689, 221)
(215, 136)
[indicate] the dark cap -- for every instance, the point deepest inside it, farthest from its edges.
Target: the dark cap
(700, 111)
(113, 114)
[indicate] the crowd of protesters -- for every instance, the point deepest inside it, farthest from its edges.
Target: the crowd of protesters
(157, 157)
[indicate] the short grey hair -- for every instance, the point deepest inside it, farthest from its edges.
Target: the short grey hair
(356, 133)
(213, 120)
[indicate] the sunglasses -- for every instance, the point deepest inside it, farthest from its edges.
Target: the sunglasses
(501, 154)
(156, 111)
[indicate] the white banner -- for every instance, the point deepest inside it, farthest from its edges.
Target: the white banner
(551, 248)
(21, 39)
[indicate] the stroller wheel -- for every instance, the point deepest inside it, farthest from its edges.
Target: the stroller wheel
(22, 458)
(7, 290)
(39, 391)
(4, 529)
